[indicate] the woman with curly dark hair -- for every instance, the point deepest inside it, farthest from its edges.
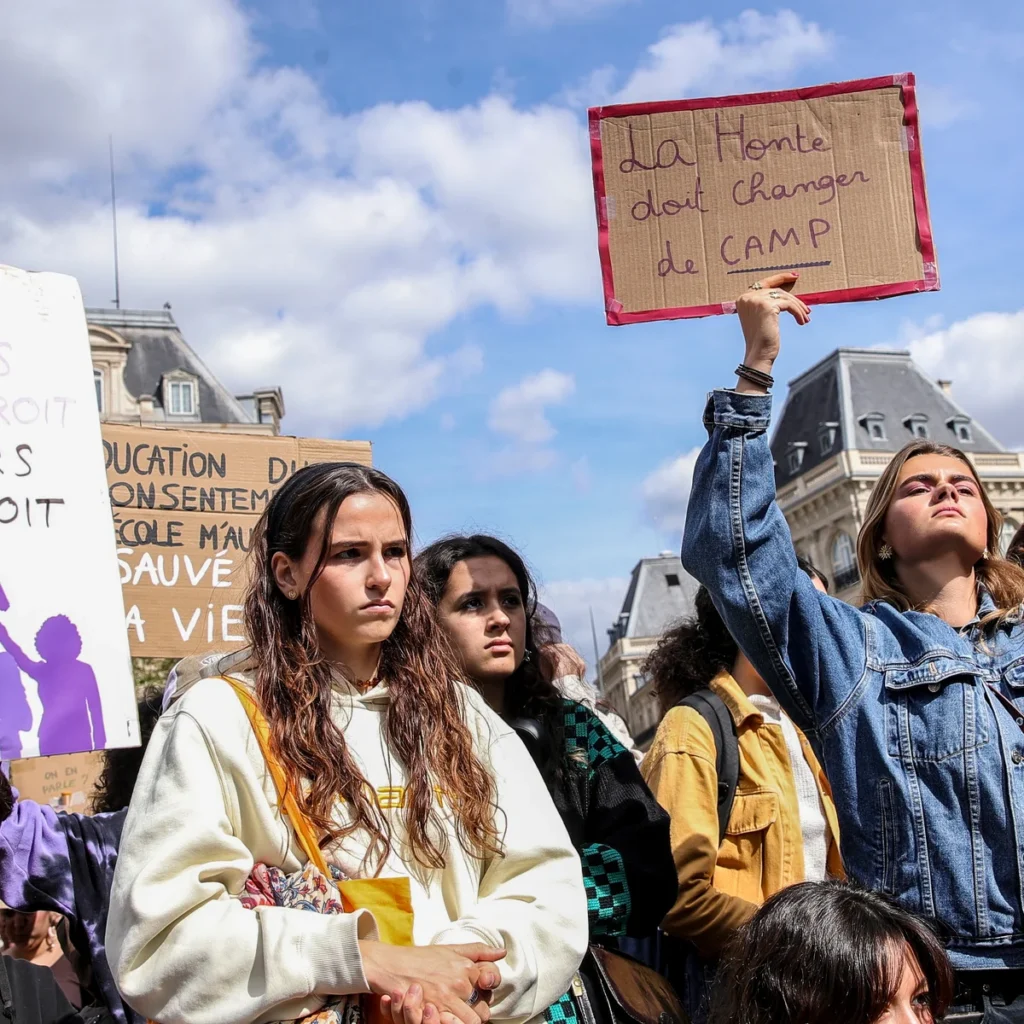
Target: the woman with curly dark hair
(486, 600)
(781, 826)
(822, 952)
(64, 863)
(342, 756)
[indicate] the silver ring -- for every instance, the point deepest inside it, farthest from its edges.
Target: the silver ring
(773, 294)
(756, 286)
(474, 997)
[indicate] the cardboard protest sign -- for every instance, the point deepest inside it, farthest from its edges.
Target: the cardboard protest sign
(184, 504)
(64, 782)
(65, 672)
(697, 199)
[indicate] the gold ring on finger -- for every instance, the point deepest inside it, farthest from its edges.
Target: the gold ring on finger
(773, 294)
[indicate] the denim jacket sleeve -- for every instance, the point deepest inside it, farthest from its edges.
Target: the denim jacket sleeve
(810, 648)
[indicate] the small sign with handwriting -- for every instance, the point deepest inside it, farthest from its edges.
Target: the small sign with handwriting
(697, 199)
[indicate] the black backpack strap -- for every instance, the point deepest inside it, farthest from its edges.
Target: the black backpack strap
(712, 709)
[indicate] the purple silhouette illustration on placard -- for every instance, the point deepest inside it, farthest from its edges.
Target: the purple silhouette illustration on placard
(72, 716)
(15, 714)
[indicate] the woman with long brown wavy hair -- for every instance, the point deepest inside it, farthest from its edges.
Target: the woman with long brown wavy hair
(915, 702)
(408, 784)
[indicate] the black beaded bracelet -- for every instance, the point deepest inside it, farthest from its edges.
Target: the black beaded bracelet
(761, 379)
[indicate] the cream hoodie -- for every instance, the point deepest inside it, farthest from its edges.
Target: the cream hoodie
(185, 951)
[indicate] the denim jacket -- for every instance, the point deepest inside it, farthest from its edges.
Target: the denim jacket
(925, 761)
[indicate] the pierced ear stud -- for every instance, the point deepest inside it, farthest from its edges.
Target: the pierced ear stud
(885, 552)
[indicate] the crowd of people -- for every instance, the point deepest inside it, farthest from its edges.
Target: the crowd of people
(402, 803)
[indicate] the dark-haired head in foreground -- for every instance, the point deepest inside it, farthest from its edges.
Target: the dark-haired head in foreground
(823, 952)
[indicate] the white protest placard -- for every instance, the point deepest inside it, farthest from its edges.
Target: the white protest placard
(65, 672)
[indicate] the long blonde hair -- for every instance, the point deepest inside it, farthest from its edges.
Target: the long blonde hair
(1002, 579)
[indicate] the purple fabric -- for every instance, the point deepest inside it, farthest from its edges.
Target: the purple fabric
(64, 863)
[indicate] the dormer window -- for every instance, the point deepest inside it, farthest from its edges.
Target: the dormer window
(97, 379)
(795, 455)
(874, 424)
(917, 424)
(961, 426)
(183, 398)
(827, 433)
(180, 394)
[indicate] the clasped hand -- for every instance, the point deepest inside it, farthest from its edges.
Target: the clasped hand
(432, 984)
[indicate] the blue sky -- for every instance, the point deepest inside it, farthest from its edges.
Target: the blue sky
(386, 209)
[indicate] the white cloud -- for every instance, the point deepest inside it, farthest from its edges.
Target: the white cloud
(544, 13)
(572, 601)
(982, 357)
(666, 491)
(297, 246)
(520, 411)
(751, 51)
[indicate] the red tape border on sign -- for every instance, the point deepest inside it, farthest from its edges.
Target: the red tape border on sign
(907, 83)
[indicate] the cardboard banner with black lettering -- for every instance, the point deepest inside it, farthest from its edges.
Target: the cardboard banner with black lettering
(65, 672)
(185, 503)
(697, 199)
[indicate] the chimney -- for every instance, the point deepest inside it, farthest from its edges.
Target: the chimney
(945, 386)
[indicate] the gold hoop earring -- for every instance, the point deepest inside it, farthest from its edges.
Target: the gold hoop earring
(885, 552)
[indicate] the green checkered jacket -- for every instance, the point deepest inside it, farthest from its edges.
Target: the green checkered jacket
(621, 833)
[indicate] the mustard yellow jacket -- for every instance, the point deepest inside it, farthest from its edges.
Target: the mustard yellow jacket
(721, 888)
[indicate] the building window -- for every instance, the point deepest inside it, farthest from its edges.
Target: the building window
(97, 379)
(961, 426)
(795, 455)
(827, 437)
(182, 398)
(844, 562)
(917, 424)
(874, 424)
(672, 579)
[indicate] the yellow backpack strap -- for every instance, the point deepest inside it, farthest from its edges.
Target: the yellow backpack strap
(304, 830)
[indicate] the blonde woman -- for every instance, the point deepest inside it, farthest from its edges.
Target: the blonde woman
(915, 702)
